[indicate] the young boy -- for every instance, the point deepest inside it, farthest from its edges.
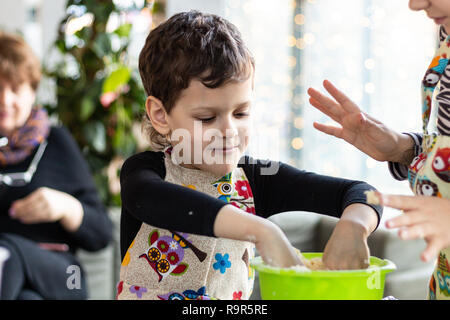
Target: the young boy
(193, 214)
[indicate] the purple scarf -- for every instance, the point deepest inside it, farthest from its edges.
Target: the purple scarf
(25, 139)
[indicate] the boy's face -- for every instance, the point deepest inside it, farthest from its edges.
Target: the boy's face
(210, 128)
(438, 10)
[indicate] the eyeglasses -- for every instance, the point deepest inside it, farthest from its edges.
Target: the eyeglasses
(20, 179)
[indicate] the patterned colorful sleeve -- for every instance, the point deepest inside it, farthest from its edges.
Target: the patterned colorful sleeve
(400, 171)
(442, 34)
(443, 97)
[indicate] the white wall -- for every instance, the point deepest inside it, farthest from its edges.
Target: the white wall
(15, 17)
(52, 11)
(12, 14)
(40, 33)
(211, 6)
(265, 32)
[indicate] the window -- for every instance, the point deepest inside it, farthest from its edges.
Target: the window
(375, 51)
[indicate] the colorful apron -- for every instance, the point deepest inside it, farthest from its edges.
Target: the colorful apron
(429, 172)
(172, 265)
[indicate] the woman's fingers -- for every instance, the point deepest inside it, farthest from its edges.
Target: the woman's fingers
(28, 201)
(432, 250)
(417, 231)
(332, 112)
(407, 219)
(325, 104)
(21, 207)
(349, 117)
(330, 130)
(340, 97)
(400, 202)
(320, 97)
(31, 214)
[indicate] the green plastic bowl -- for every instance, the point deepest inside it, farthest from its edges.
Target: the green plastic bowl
(292, 284)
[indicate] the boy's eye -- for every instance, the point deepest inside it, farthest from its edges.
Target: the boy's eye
(242, 114)
(206, 119)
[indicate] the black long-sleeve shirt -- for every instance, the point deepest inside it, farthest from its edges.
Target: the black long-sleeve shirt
(63, 168)
(147, 198)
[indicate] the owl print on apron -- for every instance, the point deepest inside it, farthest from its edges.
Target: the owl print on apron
(163, 264)
(429, 172)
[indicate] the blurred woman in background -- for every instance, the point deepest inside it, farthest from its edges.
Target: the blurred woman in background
(49, 205)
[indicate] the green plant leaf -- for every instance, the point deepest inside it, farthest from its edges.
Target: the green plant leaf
(158, 7)
(61, 45)
(102, 45)
(95, 133)
(87, 108)
(102, 133)
(116, 79)
(124, 143)
(123, 30)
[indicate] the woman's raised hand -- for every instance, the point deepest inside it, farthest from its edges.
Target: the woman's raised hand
(360, 129)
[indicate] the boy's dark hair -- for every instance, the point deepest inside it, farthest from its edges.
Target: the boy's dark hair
(191, 45)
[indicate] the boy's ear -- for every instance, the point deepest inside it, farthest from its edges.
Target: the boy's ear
(157, 115)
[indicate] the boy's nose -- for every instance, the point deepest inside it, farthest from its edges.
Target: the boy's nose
(228, 128)
(418, 5)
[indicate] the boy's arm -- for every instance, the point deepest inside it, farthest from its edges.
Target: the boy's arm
(270, 241)
(291, 189)
(150, 199)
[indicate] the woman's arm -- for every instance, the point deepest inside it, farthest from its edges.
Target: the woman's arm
(88, 224)
(67, 195)
(399, 170)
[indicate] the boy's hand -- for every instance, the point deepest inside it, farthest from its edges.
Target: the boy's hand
(269, 239)
(347, 247)
(275, 249)
(424, 217)
(360, 129)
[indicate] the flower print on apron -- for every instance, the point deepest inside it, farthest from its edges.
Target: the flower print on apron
(429, 172)
(171, 265)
